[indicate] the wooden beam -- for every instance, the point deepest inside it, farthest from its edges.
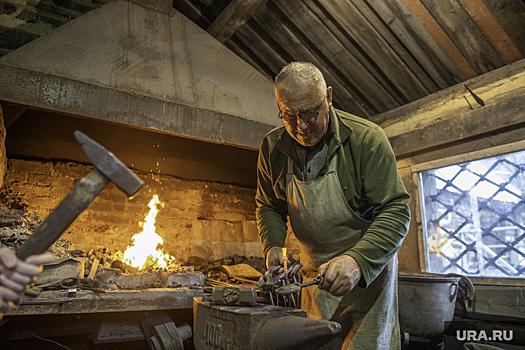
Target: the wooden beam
(465, 33)
(261, 47)
(236, 14)
(439, 35)
(271, 21)
(458, 124)
(445, 117)
(482, 143)
(492, 30)
(412, 34)
(238, 47)
(376, 39)
(511, 16)
(408, 253)
(350, 44)
(187, 8)
(321, 42)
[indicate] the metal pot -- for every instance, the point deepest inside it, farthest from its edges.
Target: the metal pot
(426, 302)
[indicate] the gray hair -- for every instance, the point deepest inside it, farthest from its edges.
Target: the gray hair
(297, 75)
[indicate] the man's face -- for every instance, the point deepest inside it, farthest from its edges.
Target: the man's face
(308, 128)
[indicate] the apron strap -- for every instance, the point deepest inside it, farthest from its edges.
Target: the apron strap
(289, 173)
(332, 166)
(332, 163)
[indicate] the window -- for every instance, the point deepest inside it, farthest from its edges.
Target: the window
(473, 216)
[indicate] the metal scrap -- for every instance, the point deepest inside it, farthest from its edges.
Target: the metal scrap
(272, 280)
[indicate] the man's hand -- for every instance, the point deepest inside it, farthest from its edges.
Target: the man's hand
(341, 275)
(275, 258)
(16, 275)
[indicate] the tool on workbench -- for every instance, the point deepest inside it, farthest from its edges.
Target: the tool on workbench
(296, 287)
(234, 296)
(107, 168)
(72, 283)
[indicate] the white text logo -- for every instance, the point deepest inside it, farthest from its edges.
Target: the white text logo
(473, 335)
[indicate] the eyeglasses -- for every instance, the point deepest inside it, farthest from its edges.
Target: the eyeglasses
(304, 116)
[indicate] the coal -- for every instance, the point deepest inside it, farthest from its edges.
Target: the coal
(257, 263)
(196, 261)
(17, 225)
(117, 264)
(12, 199)
(238, 259)
(78, 253)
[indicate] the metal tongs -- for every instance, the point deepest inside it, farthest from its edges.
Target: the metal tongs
(296, 287)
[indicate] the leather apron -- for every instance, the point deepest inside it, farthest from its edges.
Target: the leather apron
(326, 227)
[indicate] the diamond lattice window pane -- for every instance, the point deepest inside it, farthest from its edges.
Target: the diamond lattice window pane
(474, 215)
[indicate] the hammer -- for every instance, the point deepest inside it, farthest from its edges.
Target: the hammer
(107, 168)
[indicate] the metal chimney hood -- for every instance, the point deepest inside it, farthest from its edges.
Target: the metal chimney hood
(148, 67)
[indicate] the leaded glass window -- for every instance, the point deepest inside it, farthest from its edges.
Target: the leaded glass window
(473, 217)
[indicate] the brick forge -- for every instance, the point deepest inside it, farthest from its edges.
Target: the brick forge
(207, 219)
(199, 218)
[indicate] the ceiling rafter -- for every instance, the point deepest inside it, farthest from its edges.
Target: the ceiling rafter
(234, 16)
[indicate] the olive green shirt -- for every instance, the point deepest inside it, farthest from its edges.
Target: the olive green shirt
(369, 179)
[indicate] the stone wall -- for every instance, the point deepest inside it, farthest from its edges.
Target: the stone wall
(206, 219)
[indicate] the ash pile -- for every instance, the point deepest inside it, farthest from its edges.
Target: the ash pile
(17, 223)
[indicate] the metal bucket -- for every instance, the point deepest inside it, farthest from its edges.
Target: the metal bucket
(426, 302)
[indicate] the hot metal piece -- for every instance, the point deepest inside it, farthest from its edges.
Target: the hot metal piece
(296, 287)
(268, 283)
(107, 168)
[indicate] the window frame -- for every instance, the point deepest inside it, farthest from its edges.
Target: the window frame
(448, 161)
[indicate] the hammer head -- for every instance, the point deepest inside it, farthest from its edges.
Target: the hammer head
(109, 165)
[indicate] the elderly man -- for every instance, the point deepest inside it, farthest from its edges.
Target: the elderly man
(16, 275)
(335, 176)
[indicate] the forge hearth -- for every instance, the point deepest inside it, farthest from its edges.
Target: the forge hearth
(199, 218)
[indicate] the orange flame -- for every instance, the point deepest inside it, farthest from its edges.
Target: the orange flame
(143, 252)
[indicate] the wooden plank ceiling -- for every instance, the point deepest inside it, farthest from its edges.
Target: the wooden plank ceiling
(376, 54)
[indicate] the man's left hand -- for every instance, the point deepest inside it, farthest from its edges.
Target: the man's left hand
(341, 275)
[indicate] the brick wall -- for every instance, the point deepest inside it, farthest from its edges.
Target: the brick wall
(210, 220)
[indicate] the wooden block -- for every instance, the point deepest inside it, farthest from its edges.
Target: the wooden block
(94, 268)
(242, 271)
